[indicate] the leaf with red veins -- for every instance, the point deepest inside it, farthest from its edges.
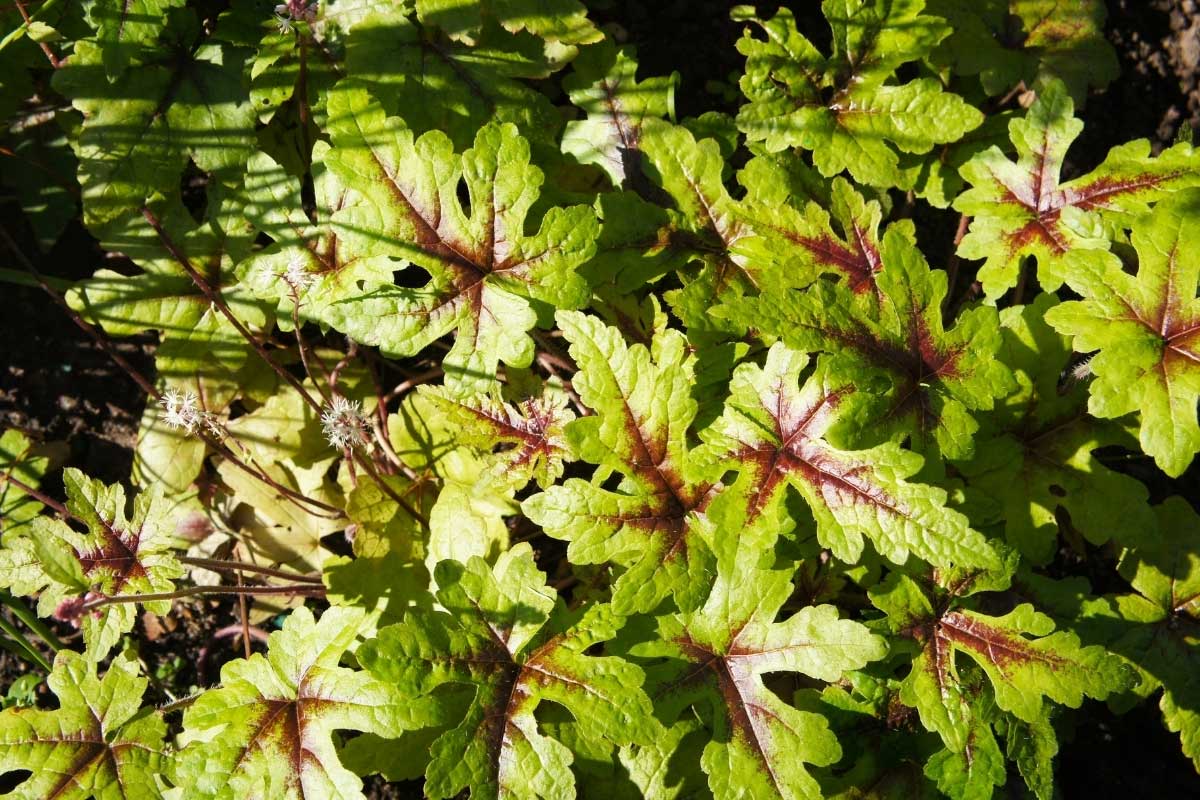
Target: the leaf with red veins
(267, 730)
(772, 433)
(1025, 660)
(1146, 328)
(796, 246)
(116, 556)
(485, 272)
(922, 381)
(605, 86)
(318, 263)
(503, 634)
(708, 224)
(1020, 209)
(1037, 457)
(99, 742)
(714, 660)
(652, 522)
(1158, 627)
(523, 442)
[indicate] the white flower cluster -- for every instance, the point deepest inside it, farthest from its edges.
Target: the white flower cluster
(182, 412)
(343, 424)
(297, 275)
(294, 11)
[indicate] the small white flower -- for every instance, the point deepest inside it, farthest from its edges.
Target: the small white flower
(294, 11)
(180, 410)
(343, 424)
(296, 275)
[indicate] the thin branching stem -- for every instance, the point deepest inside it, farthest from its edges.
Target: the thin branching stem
(307, 589)
(222, 565)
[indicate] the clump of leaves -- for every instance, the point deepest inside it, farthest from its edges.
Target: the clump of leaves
(550, 445)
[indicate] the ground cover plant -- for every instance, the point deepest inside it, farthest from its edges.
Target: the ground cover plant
(531, 439)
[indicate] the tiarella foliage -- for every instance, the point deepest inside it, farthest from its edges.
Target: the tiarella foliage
(554, 445)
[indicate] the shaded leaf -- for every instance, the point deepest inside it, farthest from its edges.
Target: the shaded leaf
(502, 634)
(772, 433)
(714, 659)
(843, 107)
(1146, 328)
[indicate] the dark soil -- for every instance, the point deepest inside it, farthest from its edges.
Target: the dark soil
(57, 386)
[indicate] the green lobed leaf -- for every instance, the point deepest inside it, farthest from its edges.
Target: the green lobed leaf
(1037, 455)
(714, 660)
(1025, 659)
(922, 380)
(843, 107)
(605, 86)
(485, 271)
(772, 432)
(651, 524)
(117, 555)
(267, 730)
(1146, 329)
(437, 83)
(21, 460)
(502, 633)
(525, 442)
(1021, 209)
(99, 743)
(1006, 42)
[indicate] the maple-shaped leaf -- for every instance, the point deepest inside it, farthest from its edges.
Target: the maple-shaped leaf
(1006, 42)
(1021, 209)
(1146, 328)
(605, 86)
(1037, 453)
(485, 271)
(932, 378)
(527, 441)
(559, 21)
(772, 434)
(705, 223)
(1159, 626)
(843, 107)
(503, 634)
(1025, 659)
(799, 244)
(126, 30)
(115, 556)
(437, 83)
(312, 261)
(137, 134)
(267, 730)
(98, 743)
(650, 523)
(715, 658)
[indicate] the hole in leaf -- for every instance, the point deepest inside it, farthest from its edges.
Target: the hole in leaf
(193, 190)
(464, 196)
(14, 778)
(611, 482)
(411, 277)
(1057, 490)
